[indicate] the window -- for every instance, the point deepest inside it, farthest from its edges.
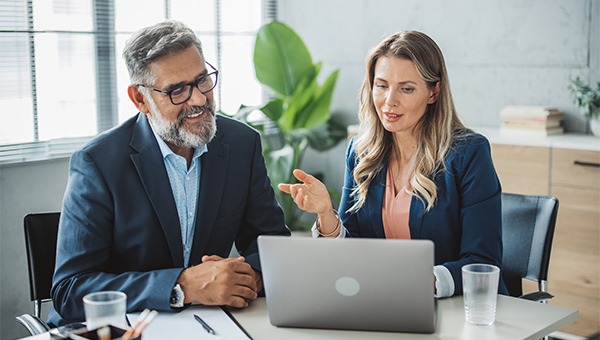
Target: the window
(64, 79)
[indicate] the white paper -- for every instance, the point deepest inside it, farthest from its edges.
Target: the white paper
(183, 325)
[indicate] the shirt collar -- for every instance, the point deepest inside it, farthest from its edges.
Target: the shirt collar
(166, 150)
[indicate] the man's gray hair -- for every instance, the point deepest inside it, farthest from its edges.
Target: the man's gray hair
(154, 42)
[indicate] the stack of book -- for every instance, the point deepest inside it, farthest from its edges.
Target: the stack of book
(531, 121)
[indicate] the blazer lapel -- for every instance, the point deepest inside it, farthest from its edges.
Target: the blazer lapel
(153, 174)
(376, 191)
(212, 182)
(415, 217)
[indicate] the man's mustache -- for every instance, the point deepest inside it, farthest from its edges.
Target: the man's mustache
(207, 107)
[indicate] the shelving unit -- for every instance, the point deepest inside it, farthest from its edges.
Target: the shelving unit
(567, 167)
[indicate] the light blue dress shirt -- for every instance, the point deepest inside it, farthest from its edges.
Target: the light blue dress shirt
(185, 184)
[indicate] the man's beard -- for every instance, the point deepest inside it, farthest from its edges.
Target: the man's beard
(178, 133)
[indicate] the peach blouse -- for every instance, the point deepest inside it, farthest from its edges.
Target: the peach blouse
(396, 209)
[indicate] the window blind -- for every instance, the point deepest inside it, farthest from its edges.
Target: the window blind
(64, 79)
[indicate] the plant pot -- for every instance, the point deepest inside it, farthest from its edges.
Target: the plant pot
(595, 125)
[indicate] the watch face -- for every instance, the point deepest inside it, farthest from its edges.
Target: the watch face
(173, 297)
(176, 299)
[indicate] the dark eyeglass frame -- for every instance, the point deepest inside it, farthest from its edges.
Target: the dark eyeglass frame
(192, 85)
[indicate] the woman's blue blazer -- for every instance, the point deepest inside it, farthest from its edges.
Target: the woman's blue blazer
(465, 222)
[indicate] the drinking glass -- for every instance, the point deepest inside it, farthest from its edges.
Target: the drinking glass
(104, 308)
(480, 291)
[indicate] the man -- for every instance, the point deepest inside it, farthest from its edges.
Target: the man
(153, 206)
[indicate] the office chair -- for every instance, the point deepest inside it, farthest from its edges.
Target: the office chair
(528, 223)
(40, 240)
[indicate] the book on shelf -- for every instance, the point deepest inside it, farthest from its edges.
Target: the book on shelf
(508, 130)
(533, 124)
(531, 113)
(531, 121)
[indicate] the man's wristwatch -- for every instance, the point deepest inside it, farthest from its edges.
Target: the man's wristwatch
(177, 297)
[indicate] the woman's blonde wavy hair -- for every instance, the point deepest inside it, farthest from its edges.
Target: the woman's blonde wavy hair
(374, 144)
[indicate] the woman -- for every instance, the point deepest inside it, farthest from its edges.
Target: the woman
(414, 171)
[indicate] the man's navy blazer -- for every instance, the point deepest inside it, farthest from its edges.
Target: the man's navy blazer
(119, 228)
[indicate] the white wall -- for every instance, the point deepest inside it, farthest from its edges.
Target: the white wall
(498, 52)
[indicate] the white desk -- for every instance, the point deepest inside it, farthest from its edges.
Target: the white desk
(515, 319)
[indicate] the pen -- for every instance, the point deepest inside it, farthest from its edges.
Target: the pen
(205, 325)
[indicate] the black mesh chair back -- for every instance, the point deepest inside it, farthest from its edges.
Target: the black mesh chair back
(40, 240)
(528, 223)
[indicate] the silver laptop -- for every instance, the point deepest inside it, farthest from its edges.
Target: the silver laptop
(353, 284)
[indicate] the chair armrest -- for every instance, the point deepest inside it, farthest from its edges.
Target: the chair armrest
(33, 324)
(537, 296)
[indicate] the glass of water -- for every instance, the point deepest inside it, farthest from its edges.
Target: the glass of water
(105, 308)
(480, 291)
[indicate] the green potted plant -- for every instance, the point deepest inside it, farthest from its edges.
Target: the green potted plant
(588, 102)
(298, 116)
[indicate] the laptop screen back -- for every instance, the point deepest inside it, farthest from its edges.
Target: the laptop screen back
(358, 284)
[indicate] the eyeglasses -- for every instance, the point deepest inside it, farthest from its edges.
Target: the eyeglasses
(183, 93)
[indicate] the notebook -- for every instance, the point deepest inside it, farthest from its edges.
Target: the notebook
(352, 284)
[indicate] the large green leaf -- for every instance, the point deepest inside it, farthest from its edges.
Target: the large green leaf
(323, 137)
(280, 58)
(274, 109)
(301, 97)
(279, 164)
(317, 111)
(305, 90)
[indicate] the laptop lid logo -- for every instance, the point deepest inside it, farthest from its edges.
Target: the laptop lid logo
(347, 286)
